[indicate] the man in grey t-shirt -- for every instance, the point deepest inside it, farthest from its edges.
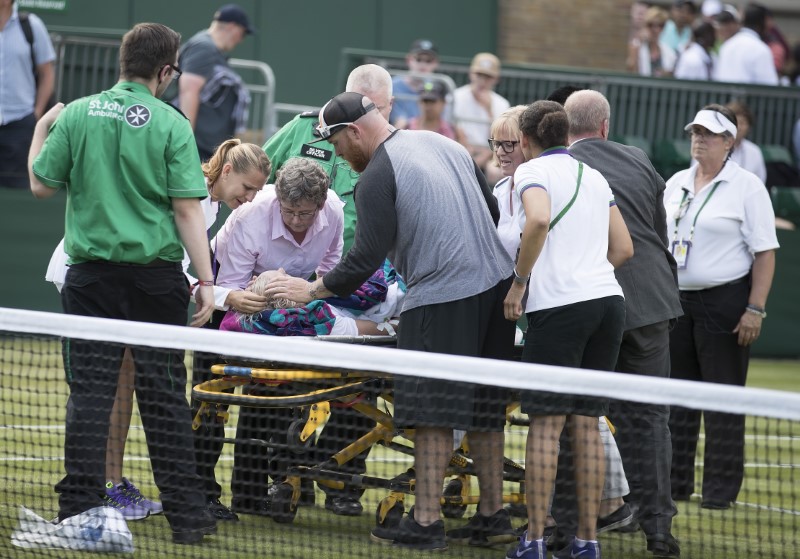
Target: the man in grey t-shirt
(422, 201)
(210, 93)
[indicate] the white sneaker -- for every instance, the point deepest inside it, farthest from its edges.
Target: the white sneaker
(97, 529)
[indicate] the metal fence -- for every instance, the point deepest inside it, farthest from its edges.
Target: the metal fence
(88, 65)
(649, 109)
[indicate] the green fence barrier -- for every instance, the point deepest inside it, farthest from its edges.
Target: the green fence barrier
(651, 109)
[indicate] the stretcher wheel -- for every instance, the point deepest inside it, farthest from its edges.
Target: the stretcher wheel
(452, 489)
(282, 509)
(296, 445)
(393, 515)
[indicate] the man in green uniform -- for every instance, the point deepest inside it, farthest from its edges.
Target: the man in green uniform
(132, 173)
(344, 424)
(294, 140)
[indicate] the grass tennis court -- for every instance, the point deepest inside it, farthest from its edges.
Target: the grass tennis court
(765, 522)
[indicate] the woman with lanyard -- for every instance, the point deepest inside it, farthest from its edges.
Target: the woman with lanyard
(723, 239)
(234, 174)
(572, 238)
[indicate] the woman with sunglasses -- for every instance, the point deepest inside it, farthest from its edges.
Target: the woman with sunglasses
(649, 55)
(722, 234)
(295, 225)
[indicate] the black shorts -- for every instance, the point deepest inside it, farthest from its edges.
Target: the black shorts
(585, 335)
(474, 326)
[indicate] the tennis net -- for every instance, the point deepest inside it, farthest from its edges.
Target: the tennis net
(294, 390)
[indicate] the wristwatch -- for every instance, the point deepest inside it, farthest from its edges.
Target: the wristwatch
(519, 279)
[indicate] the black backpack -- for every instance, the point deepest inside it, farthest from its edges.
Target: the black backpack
(25, 23)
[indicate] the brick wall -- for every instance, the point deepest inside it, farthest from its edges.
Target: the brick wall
(585, 33)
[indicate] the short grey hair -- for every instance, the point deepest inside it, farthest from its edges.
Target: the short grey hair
(369, 79)
(586, 111)
(302, 179)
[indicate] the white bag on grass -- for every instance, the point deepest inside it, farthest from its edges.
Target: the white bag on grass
(97, 529)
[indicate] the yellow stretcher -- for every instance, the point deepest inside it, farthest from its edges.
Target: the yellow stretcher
(317, 389)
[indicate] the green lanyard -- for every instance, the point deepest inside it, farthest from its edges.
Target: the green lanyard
(683, 200)
(572, 201)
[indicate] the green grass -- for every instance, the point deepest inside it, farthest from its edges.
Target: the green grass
(33, 395)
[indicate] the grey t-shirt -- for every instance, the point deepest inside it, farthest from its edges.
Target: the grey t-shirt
(422, 201)
(215, 124)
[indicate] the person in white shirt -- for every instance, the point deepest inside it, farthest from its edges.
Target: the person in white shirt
(575, 310)
(747, 154)
(475, 106)
(697, 61)
(722, 228)
(745, 57)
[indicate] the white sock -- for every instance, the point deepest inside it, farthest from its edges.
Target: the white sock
(583, 543)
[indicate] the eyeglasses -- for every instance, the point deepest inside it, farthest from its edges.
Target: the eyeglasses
(507, 145)
(299, 215)
(176, 71)
(655, 25)
(425, 59)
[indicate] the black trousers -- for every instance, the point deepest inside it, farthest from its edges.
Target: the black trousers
(146, 294)
(255, 463)
(703, 347)
(210, 437)
(15, 141)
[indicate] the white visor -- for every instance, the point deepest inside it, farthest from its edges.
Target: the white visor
(713, 121)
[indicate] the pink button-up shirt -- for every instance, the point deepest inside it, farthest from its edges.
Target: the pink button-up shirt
(255, 239)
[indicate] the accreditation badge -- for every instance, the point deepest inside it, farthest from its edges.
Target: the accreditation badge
(680, 251)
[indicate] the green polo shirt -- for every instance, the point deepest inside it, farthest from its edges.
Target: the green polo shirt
(121, 154)
(292, 141)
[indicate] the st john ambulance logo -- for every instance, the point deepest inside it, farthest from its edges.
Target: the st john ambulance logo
(137, 115)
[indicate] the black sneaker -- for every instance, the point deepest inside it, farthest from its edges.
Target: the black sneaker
(414, 536)
(483, 531)
(206, 525)
(385, 534)
(220, 511)
(344, 506)
(663, 545)
(623, 516)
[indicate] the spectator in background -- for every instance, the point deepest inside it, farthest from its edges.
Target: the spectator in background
(726, 23)
(697, 61)
(794, 75)
(709, 9)
(475, 106)
(776, 43)
(649, 56)
(422, 58)
(745, 57)
(26, 67)
(432, 98)
(210, 94)
(677, 32)
(747, 154)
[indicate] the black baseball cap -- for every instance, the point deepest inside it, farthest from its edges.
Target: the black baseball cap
(344, 109)
(433, 89)
(424, 45)
(233, 13)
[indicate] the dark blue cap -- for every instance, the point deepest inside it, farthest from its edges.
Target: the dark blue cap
(233, 13)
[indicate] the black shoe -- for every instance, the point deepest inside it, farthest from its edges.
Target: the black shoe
(203, 526)
(715, 504)
(483, 531)
(220, 511)
(414, 536)
(623, 516)
(663, 545)
(517, 510)
(344, 506)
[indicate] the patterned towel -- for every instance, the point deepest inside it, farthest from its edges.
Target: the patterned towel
(314, 319)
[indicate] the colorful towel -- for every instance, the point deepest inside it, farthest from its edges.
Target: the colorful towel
(314, 319)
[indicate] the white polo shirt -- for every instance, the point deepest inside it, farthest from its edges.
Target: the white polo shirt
(573, 265)
(254, 239)
(472, 117)
(737, 222)
(510, 205)
(745, 58)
